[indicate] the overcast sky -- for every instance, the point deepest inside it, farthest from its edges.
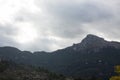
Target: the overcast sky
(49, 25)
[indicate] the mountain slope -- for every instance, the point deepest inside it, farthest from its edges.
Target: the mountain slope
(12, 71)
(94, 56)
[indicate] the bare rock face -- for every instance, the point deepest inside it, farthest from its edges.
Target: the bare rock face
(94, 43)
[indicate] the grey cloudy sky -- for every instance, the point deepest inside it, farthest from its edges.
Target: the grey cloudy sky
(48, 25)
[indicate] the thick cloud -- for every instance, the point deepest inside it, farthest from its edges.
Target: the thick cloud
(6, 34)
(52, 24)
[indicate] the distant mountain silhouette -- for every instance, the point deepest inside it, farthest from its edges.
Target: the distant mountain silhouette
(94, 56)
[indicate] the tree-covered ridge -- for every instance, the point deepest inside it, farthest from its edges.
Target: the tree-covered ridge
(12, 71)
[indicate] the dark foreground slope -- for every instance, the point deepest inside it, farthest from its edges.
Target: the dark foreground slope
(12, 71)
(94, 56)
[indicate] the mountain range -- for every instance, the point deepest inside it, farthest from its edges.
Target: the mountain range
(93, 56)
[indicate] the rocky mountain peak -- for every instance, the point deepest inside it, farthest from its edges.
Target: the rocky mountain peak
(92, 38)
(91, 42)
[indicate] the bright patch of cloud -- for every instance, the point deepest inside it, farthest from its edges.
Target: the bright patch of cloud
(26, 33)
